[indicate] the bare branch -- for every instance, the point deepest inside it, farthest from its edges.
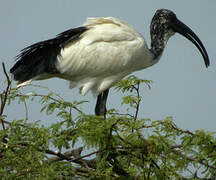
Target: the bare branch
(4, 97)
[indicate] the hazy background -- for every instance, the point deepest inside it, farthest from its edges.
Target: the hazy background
(182, 88)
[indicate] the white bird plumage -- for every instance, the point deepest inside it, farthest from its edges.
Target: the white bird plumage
(100, 53)
(108, 51)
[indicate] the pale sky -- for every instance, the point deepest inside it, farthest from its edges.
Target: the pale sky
(182, 88)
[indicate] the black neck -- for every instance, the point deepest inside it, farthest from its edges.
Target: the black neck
(160, 34)
(157, 46)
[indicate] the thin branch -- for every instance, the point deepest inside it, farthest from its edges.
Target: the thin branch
(4, 97)
(138, 103)
(87, 155)
(52, 98)
(65, 156)
(122, 114)
(186, 132)
(6, 122)
(5, 72)
(26, 109)
(43, 87)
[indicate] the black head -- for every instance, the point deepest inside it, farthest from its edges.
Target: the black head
(161, 23)
(164, 24)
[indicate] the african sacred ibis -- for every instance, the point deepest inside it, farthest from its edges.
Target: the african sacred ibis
(100, 53)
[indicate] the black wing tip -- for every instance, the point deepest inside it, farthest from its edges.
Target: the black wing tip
(13, 68)
(77, 30)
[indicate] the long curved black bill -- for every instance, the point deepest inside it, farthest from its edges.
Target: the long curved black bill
(184, 30)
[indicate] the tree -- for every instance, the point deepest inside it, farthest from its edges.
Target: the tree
(122, 146)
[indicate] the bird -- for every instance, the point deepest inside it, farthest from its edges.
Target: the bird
(99, 53)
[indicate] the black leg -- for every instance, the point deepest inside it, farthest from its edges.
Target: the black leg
(100, 108)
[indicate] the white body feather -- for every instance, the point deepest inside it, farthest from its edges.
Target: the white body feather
(103, 51)
(104, 54)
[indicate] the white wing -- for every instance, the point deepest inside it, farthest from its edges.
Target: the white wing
(104, 54)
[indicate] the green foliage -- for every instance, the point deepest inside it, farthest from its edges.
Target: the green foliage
(122, 146)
